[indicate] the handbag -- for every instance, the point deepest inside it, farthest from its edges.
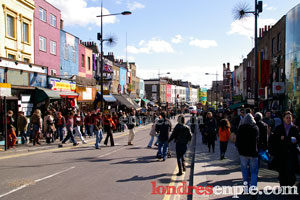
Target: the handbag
(232, 137)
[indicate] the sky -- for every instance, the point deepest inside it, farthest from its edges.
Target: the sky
(186, 38)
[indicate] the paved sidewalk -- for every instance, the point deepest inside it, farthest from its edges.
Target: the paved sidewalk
(21, 148)
(209, 170)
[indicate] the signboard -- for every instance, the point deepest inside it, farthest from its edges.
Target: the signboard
(5, 89)
(38, 80)
(278, 87)
(88, 94)
(61, 85)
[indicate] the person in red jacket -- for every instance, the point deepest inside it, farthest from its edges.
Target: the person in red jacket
(224, 134)
(109, 126)
(11, 134)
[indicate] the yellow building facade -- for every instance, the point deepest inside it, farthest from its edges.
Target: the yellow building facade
(16, 25)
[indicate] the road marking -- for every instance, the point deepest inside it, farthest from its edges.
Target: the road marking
(36, 181)
(108, 153)
(172, 183)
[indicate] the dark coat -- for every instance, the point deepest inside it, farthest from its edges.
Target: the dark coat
(247, 140)
(263, 134)
(181, 134)
(285, 153)
(163, 127)
(211, 129)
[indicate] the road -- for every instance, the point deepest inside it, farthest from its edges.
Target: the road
(119, 172)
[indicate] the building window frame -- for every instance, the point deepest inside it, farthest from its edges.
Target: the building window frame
(82, 61)
(73, 54)
(14, 17)
(279, 42)
(42, 14)
(66, 52)
(53, 20)
(42, 43)
(53, 47)
(89, 63)
(11, 56)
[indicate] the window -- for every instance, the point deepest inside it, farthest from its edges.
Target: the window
(11, 56)
(278, 42)
(26, 60)
(25, 32)
(82, 60)
(10, 26)
(89, 63)
(66, 55)
(73, 55)
(53, 72)
(53, 20)
(154, 88)
(42, 13)
(42, 41)
(53, 47)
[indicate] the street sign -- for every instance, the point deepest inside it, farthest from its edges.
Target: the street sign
(5, 89)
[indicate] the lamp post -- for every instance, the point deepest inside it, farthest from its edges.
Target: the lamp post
(100, 38)
(216, 74)
(241, 13)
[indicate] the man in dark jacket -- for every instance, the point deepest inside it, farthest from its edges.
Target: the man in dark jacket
(263, 132)
(163, 128)
(247, 145)
(182, 135)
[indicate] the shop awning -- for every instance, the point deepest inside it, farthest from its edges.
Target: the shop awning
(234, 106)
(123, 101)
(68, 94)
(107, 98)
(41, 94)
(131, 101)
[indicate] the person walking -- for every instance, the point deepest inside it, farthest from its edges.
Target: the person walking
(263, 132)
(163, 128)
(11, 134)
(247, 145)
(153, 134)
(36, 126)
(69, 126)
(60, 124)
(224, 134)
(182, 135)
(98, 130)
(109, 126)
(77, 127)
(131, 123)
(49, 128)
(283, 145)
(22, 124)
(211, 131)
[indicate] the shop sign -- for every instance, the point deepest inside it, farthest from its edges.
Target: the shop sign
(88, 94)
(38, 80)
(80, 89)
(61, 85)
(278, 87)
(5, 89)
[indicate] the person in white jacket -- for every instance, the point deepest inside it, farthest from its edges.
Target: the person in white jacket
(153, 134)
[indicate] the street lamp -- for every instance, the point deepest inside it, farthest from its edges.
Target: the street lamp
(240, 13)
(100, 38)
(216, 74)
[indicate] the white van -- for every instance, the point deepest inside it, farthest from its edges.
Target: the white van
(193, 109)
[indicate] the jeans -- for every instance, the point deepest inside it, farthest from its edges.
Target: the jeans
(151, 140)
(23, 137)
(70, 135)
(60, 132)
(223, 148)
(99, 136)
(78, 132)
(91, 130)
(180, 151)
(249, 165)
(163, 145)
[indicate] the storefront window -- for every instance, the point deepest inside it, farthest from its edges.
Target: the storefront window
(2, 80)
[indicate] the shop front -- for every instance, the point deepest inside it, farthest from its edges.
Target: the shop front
(86, 89)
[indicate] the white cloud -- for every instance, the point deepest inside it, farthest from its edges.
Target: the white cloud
(153, 46)
(135, 5)
(267, 7)
(90, 28)
(245, 26)
(177, 39)
(76, 12)
(203, 43)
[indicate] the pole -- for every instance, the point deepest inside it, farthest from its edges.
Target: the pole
(101, 67)
(255, 56)
(5, 122)
(217, 91)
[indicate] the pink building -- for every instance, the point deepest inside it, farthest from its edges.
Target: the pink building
(85, 58)
(169, 93)
(47, 36)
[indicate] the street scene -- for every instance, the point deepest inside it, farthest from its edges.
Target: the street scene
(149, 100)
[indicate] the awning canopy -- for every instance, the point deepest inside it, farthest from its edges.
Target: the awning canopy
(41, 94)
(68, 94)
(107, 98)
(127, 101)
(234, 106)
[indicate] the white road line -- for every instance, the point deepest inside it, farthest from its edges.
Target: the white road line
(106, 154)
(36, 181)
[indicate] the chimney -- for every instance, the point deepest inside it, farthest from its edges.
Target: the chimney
(228, 66)
(269, 27)
(260, 32)
(224, 65)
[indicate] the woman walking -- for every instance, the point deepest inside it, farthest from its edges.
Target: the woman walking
(36, 126)
(224, 134)
(211, 131)
(182, 135)
(69, 126)
(11, 134)
(283, 145)
(109, 126)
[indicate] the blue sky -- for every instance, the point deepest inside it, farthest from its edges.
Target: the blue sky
(186, 38)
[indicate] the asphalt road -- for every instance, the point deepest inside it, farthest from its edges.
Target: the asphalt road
(119, 172)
